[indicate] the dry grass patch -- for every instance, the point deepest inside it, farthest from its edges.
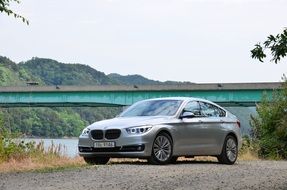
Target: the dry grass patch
(36, 164)
(248, 155)
(249, 150)
(20, 156)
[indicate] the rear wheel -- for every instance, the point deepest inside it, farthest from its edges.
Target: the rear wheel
(96, 160)
(229, 151)
(161, 149)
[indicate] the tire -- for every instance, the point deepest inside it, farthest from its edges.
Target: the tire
(96, 160)
(162, 149)
(229, 151)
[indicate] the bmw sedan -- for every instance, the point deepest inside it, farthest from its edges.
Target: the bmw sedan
(163, 129)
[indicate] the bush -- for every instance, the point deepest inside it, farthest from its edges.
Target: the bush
(12, 148)
(270, 126)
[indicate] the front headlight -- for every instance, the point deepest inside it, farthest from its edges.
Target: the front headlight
(138, 130)
(85, 132)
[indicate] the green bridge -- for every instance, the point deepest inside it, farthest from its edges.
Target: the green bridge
(225, 94)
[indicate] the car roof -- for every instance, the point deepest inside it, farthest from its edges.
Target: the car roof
(181, 98)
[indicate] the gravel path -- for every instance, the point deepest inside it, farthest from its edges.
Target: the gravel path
(183, 175)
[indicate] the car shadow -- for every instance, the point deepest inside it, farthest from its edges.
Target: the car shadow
(197, 162)
(144, 162)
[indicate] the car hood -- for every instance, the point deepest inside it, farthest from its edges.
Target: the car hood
(124, 122)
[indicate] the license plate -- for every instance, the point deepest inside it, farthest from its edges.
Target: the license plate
(104, 144)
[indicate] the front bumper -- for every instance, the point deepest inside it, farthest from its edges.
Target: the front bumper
(134, 146)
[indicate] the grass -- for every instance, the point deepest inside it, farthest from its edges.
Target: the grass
(33, 157)
(45, 165)
(248, 155)
(249, 150)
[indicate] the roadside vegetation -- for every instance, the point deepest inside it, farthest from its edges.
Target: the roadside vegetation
(17, 155)
(270, 126)
(249, 150)
(269, 129)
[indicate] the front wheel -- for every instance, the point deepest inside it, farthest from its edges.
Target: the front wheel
(96, 160)
(229, 151)
(161, 149)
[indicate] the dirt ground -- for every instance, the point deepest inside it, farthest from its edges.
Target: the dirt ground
(140, 175)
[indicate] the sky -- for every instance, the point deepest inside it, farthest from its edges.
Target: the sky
(202, 41)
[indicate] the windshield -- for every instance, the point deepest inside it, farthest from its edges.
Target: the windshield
(153, 108)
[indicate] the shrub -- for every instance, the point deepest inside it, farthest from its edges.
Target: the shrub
(270, 126)
(12, 148)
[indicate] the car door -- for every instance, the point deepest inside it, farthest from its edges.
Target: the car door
(202, 134)
(212, 130)
(190, 130)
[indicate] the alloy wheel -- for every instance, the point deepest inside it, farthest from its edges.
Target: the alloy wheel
(231, 149)
(162, 148)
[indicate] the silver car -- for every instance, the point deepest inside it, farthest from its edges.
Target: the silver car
(163, 129)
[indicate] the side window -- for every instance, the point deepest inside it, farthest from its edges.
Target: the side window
(222, 113)
(219, 112)
(209, 110)
(193, 107)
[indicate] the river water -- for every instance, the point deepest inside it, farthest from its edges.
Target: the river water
(69, 147)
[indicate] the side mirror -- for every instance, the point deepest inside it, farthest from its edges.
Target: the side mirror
(187, 114)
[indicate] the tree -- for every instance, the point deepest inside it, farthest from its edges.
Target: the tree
(276, 44)
(4, 8)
